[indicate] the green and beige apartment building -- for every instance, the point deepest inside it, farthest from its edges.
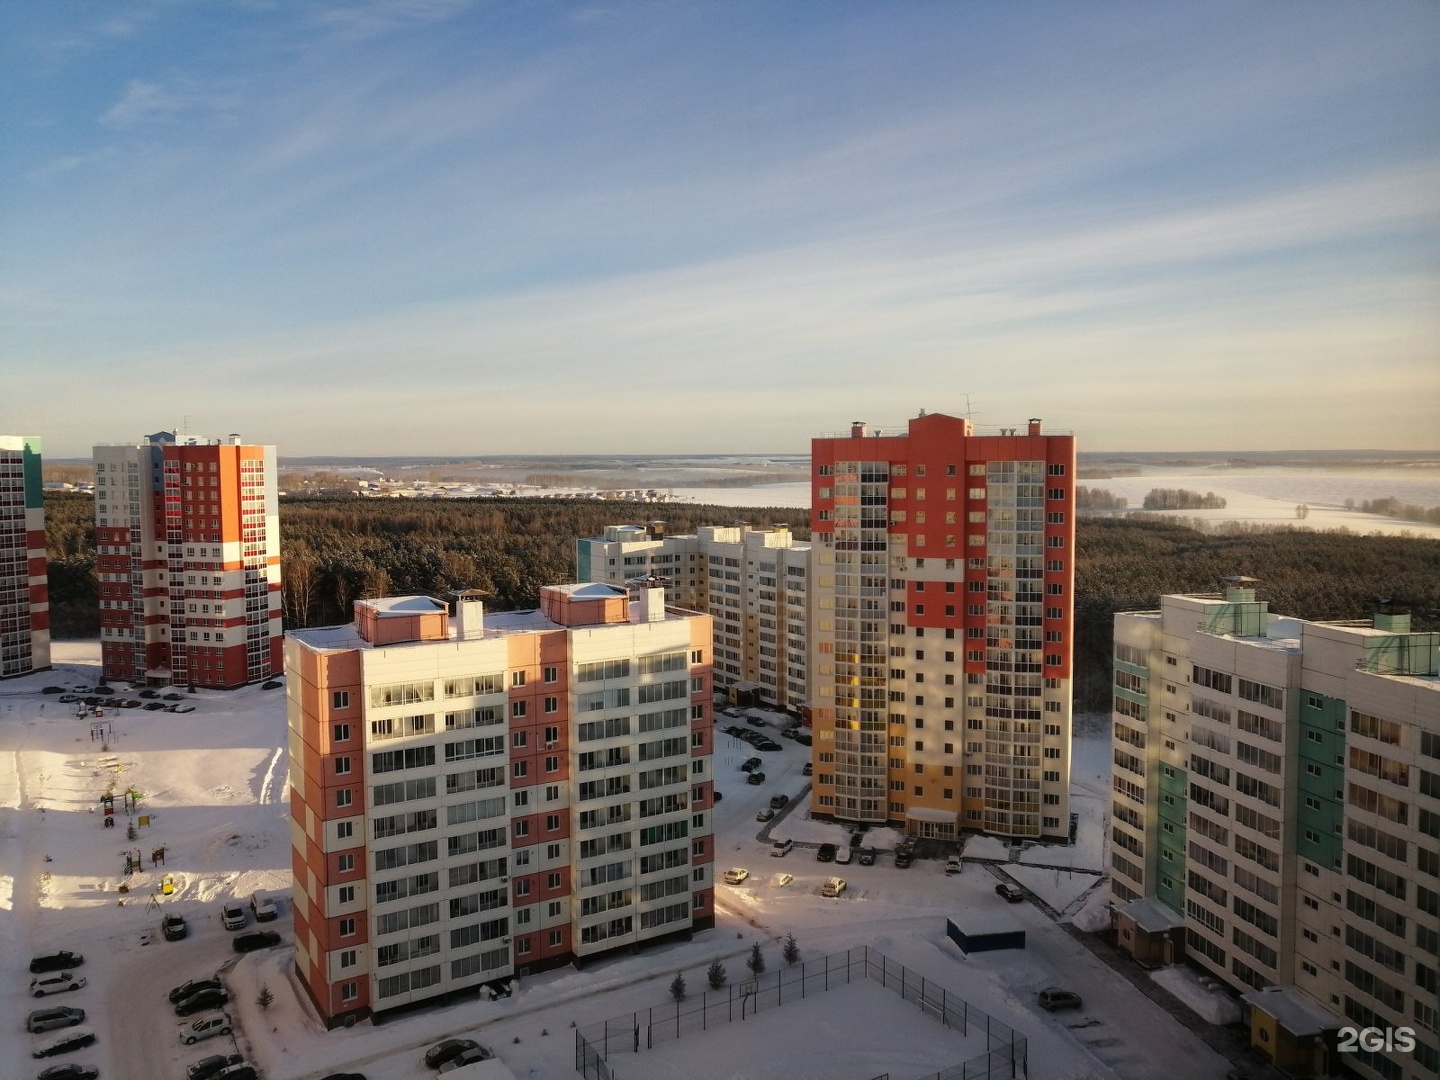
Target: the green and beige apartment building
(1275, 820)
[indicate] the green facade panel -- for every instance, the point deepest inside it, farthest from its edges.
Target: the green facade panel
(34, 483)
(1320, 811)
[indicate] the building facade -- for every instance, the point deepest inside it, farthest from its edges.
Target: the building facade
(941, 636)
(188, 561)
(753, 582)
(485, 795)
(24, 590)
(1277, 789)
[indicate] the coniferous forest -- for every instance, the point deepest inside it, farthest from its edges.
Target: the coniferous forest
(338, 550)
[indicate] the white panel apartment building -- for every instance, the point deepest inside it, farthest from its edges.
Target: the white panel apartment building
(1277, 791)
(753, 582)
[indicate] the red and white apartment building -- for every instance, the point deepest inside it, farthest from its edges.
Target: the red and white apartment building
(942, 587)
(188, 561)
(482, 795)
(24, 592)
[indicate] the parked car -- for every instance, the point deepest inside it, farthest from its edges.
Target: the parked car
(181, 708)
(843, 855)
(344, 1076)
(736, 731)
(1012, 893)
(779, 802)
(200, 1001)
(55, 983)
(445, 1051)
(174, 697)
(57, 1017)
(788, 733)
(242, 1071)
(903, 857)
(173, 927)
(866, 856)
(206, 1027)
(63, 1044)
(131, 703)
(751, 764)
(262, 907)
(149, 693)
(1053, 999)
(53, 690)
(207, 1067)
(765, 814)
(155, 706)
(826, 853)
(834, 886)
(808, 770)
(69, 1071)
(754, 721)
(254, 939)
(465, 1057)
(780, 848)
(952, 864)
(766, 746)
(56, 961)
(194, 986)
(735, 875)
(69, 699)
(232, 915)
(803, 738)
(271, 684)
(756, 777)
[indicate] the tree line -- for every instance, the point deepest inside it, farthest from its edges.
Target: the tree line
(336, 551)
(1182, 499)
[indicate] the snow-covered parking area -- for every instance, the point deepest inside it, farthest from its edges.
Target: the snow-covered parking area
(213, 783)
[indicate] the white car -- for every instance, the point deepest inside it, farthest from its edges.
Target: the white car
(834, 886)
(232, 916)
(55, 982)
(204, 1027)
(735, 875)
(781, 847)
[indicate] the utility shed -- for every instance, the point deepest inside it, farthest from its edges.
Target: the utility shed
(985, 931)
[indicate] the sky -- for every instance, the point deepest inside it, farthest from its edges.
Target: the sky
(440, 227)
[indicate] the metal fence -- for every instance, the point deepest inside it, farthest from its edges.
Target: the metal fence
(644, 1029)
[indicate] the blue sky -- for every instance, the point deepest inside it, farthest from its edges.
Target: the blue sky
(440, 227)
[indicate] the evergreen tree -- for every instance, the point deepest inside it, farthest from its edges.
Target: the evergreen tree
(716, 974)
(791, 951)
(677, 987)
(756, 963)
(265, 997)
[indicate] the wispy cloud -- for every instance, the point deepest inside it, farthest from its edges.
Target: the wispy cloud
(141, 102)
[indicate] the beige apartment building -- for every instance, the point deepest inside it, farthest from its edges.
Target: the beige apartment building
(753, 582)
(1275, 820)
(491, 794)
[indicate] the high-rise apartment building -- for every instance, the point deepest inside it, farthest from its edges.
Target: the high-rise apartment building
(753, 582)
(1276, 820)
(24, 594)
(942, 584)
(491, 794)
(188, 561)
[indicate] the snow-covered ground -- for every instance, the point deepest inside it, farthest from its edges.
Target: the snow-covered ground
(214, 785)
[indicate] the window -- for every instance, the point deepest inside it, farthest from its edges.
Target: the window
(345, 894)
(517, 678)
(344, 830)
(552, 822)
(349, 958)
(345, 864)
(344, 797)
(517, 708)
(550, 674)
(349, 991)
(347, 927)
(552, 704)
(340, 699)
(342, 766)
(340, 733)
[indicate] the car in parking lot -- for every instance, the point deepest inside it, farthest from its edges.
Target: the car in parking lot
(69, 1071)
(194, 986)
(755, 778)
(63, 1044)
(952, 864)
(834, 886)
(766, 746)
(272, 684)
(1011, 893)
(826, 853)
(779, 802)
(1054, 999)
(344, 1076)
(174, 697)
(232, 915)
(173, 927)
(69, 699)
(58, 1016)
(241, 1071)
(207, 1067)
(754, 721)
(843, 855)
(200, 1001)
(735, 875)
(781, 847)
(181, 708)
(751, 764)
(205, 1027)
(254, 939)
(788, 733)
(866, 856)
(448, 1050)
(809, 769)
(131, 703)
(464, 1058)
(56, 961)
(155, 706)
(765, 814)
(149, 693)
(55, 983)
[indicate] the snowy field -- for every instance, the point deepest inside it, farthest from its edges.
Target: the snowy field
(1265, 495)
(214, 785)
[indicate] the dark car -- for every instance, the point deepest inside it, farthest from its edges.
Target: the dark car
(174, 697)
(149, 693)
(271, 684)
(756, 777)
(778, 802)
(207, 1067)
(56, 961)
(808, 770)
(788, 733)
(200, 1001)
(194, 986)
(255, 939)
(243, 1071)
(1012, 893)
(63, 1044)
(173, 927)
(754, 721)
(826, 853)
(466, 1057)
(733, 730)
(766, 746)
(903, 857)
(1054, 999)
(448, 1050)
(53, 690)
(866, 856)
(69, 1071)
(751, 764)
(131, 703)
(103, 689)
(344, 1076)
(155, 706)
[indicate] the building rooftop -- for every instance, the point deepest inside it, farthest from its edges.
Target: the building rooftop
(386, 606)
(1151, 915)
(1292, 1010)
